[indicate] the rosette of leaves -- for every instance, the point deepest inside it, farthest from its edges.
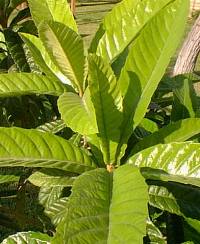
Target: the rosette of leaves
(104, 101)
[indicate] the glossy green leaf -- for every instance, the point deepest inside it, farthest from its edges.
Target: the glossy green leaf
(16, 84)
(42, 59)
(51, 178)
(148, 58)
(149, 125)
(129, 17)
(57, 10)
(28, 238)
(52, 127)
(176, 132)
(66, 50)
(15, 48)
(76, 114)
(58, 210)
(184, 99)
(178, 159)
(175, 198)
(154, 234)
(48, 195)
(107, 101)
(31, 148)
(101, 206)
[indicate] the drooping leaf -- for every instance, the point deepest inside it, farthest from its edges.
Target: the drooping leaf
(174, 162)
(101, 206)
(129, 19)
(28, 238)
(107, 101)
(17, 84)
(65, 48)
(51, 178)
(42, 59)
(57, 10)
(179, 131)
(57, 211)
(52, 127)
(15, 48)
(31, 148)
(148, 58)
(175, 198)
(76, 114)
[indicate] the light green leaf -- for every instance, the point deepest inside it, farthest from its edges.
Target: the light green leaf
(191, 228)
(48, 195)
(175, 161)
(148, 58)
(176, 132)
(66, 50)
(154, 234)
(129, 17)
(175, 198)
(149, 125)
(57, 10)
(52, 127)
(101, 206)
(42, 59)
(8, 178)
(76, 114)
(57, 211)
(28, 238)
(31, 148)
(107, 101)
(17, 84)
(51, 178)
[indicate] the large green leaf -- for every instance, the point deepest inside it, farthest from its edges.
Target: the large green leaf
(66, 50)
(76, 114)
(16, 84)
(106, 208)
(148, 58)
(107, 101)
(171, 161)
(41, 57)
(31, 148)
(124, 23)
(176, 132)
(175, 198)
(57, 10)
(28, 238)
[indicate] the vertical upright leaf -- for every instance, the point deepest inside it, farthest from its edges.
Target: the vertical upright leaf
(148, 58)
(57, 10)
(106, 98)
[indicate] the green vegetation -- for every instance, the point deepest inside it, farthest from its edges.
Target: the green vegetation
(112, 155)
